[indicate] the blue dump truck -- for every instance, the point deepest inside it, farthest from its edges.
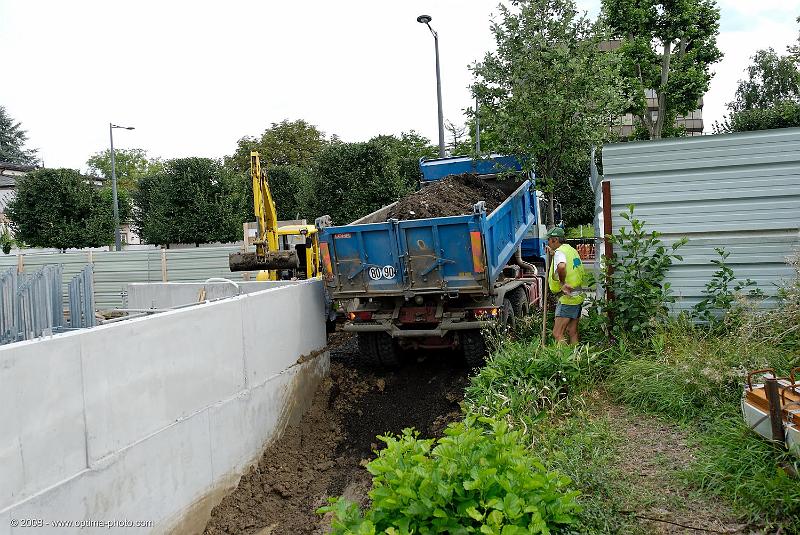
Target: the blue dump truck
(437, 282)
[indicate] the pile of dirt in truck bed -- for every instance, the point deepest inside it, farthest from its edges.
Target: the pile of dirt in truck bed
(451, 196)
(324, 455)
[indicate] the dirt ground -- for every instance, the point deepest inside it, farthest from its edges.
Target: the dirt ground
(324, 455)
(451, 196)
(651, 454)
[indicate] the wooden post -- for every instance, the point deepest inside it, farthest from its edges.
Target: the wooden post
(163, 265)
(20, 263)
(90, 261)
(608, 230)
(775, 417)
(545, 297)
(245, 233)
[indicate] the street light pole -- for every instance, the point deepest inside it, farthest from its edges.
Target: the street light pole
(117, 238)
(426, 20)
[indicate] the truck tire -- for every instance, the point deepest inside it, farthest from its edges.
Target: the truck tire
(519, 302)
(378, 350)
(474, 347)
(507, 317)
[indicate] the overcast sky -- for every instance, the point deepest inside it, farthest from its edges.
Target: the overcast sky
(195, 76)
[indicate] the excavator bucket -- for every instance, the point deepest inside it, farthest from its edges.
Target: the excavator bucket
(276, 260)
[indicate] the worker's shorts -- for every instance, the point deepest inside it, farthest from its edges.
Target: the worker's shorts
(568, 311)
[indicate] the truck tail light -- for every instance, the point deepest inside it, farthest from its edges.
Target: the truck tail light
(478, 265)
(326, 260)
(362, 315)
(485, 313)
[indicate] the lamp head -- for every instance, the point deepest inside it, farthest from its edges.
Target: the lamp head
(424, 19)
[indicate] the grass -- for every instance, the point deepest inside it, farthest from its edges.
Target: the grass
(584, 449)
(683, 374)
(524, 381)
(694, 377)
(756, 477)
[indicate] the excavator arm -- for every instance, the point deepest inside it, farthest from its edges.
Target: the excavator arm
(268, 255)
(264, 207)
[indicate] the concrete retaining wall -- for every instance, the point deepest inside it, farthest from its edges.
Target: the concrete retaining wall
(148, 419)
(172, 294)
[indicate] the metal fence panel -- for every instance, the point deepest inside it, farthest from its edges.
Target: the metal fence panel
(113, 271)
(8, 305)
(81, 299)
(39, 304)
(738, 191)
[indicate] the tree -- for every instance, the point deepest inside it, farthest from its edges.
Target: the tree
(290, 187)
(460, 139)
(285, 143)
(192, 200)
(60, 208)
(770, 79)
(575, 195)
(548, 93)
(12, 141)
(351, 180)
(130, 165)
(785, 114)
(406, 152)
(667, 47)
(794, 50)
(768, 98)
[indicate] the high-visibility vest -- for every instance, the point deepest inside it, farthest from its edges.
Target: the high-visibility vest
(575, 276)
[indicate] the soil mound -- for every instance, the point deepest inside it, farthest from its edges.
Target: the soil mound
(451, 196)
(324, 455)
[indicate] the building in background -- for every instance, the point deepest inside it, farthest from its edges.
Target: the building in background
(692, 122)
(9, 173)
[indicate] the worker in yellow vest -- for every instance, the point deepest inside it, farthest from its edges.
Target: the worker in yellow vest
(566, 276)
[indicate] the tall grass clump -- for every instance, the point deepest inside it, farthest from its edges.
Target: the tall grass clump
(685, 372)
(758, 478)
(778, 327)
(524, 380)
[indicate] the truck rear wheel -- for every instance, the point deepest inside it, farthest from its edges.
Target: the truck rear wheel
(519, 302)
(508, 316)
(474, 346)
(378, 350)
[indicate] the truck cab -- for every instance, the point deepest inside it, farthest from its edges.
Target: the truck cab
(505, 172)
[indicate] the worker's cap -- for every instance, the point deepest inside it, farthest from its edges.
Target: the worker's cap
(555, 232)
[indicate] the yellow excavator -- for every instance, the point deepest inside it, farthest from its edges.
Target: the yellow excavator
(287, 252)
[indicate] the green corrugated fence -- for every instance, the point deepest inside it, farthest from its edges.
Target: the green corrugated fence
(113, 271)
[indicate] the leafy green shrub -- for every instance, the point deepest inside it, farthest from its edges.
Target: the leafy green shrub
(476, 479)
(638, 271)
(721, 292)
(6, 241)
(736, 463)
(523, 380)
